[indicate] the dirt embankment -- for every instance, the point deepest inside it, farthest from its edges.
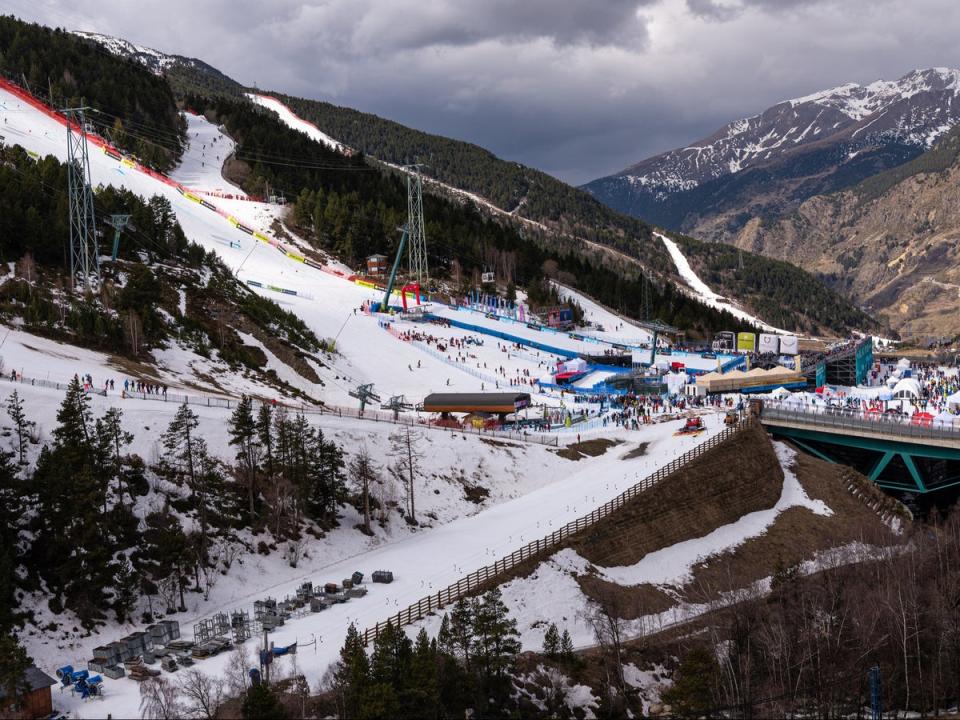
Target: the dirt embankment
(799, 535)
(740, 476)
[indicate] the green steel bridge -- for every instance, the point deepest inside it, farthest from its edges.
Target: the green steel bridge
(894, 454)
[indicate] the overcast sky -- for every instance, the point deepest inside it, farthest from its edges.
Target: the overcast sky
(578, 88)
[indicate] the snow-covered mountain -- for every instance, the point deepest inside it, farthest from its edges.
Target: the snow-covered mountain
(153, 59)
(191, 70)
(807, 136)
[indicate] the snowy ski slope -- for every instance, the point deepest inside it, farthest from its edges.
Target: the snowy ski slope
(328, 302)
(704, 293)
(288, 117)
(422, 561)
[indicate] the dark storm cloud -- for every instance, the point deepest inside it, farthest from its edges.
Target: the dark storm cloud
(579, 88)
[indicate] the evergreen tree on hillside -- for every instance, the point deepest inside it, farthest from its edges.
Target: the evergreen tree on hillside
(245, 438)
(325, 479)
(265, 433)
(389, 672)
(459, 640)
(74, 547)
(11, 510)
(551, 642)
(351, 677)
(423, 695)
(112, 439)
(21, 425)
(161, 556)
(14, 662)
(496, 645)
(262, 703)
(188, 461)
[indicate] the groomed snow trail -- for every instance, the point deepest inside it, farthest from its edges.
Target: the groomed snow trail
(703, 291)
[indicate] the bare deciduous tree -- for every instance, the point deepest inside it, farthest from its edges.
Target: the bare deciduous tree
(365, 473)
(159, 700)
(236, 678)
(406, 448)
(202, 694)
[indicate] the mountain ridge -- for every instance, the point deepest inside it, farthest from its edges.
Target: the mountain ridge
(535, 204)
(821, 142)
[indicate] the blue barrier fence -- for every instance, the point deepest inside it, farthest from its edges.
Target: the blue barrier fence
(510, 337)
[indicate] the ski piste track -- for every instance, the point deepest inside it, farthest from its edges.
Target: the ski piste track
(430, 559)
(228, 209)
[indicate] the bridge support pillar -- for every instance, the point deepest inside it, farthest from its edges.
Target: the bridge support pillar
(914, 473)
(880, 465)
(814, 451)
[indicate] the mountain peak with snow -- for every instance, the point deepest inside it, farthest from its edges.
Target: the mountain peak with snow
(155, 60)
(896, 119)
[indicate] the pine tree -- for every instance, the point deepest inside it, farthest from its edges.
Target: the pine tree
(111, 441)
(73, 547)
(389, 668)
(187, 460)
(21, 425)
(125, 585)
(352, 674)
(265, 432)
(244, 436)
(324, 480)
(496, 646)
(691, 693)
(11, 509)
(14, 662)
(566, 646)
(551, 642)
(262, 703)
(422, 696)
(161, 553)
(462, 619)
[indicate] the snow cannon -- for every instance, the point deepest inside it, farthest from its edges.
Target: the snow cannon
(78, 675)
(65, 675)
(89, 687)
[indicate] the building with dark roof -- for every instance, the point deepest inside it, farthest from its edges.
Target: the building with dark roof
(36, 701)
(493, 403)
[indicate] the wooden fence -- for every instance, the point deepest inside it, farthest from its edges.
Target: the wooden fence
(469, 584)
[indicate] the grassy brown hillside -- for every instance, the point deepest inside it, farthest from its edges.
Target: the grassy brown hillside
(890, 242)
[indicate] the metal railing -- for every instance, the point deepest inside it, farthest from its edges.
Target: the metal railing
(469, 584)
(333, 410)
(52, 385)
(841, 419)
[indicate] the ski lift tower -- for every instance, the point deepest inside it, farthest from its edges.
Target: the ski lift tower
(418, 239)
(118, 223)
(365, 394)
(84, 254)
(397, 403)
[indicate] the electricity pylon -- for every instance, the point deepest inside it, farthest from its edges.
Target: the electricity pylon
(84, 255)
(417, 237)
